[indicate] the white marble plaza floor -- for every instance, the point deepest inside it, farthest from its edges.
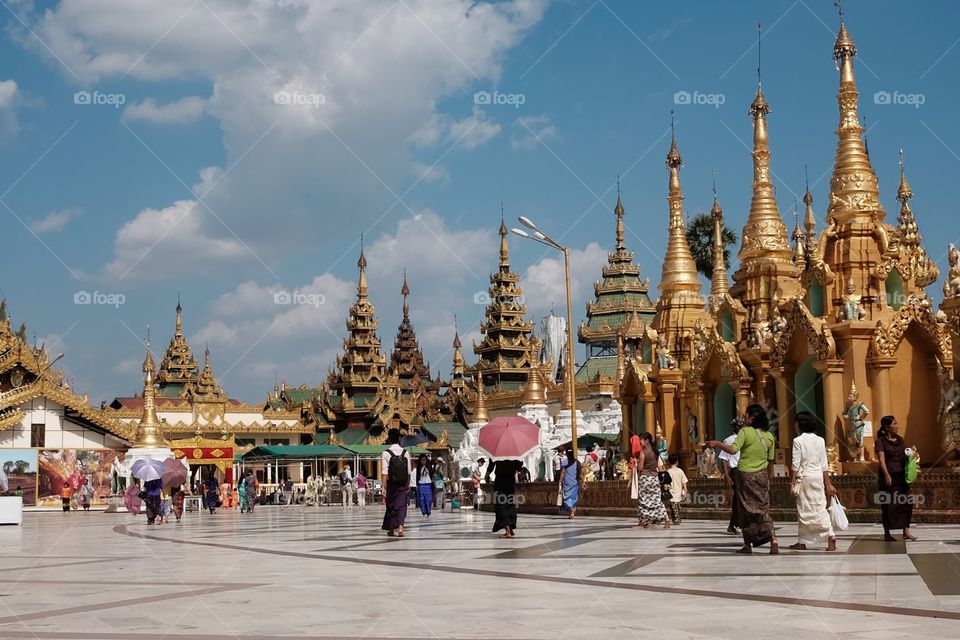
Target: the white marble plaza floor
(331, 573)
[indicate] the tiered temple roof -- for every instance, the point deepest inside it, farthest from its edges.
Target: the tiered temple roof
(178, 367)
(620, 295)
(506, 350)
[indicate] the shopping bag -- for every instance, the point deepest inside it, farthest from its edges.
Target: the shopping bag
(911, 470)
(838, 515)
(559, 496)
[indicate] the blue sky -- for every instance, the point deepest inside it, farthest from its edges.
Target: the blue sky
(205, 182)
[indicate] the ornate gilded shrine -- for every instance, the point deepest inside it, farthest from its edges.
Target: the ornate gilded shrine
(844, 307)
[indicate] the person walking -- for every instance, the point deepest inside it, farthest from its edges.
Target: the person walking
(361, 482)
(166, 505)
(811, 485)
(176, 502)
(85, 494)
(424, 484)
(439, 497)
(504, 495)
(475, 481)
(212, 492)
(395, 465)
(650, 507)
(153, 489)
(571, 477)
(65, 495)
(251, 486)
(754, 473)
(729, 463)
(346, 487)
(896, 504)
(677, 486)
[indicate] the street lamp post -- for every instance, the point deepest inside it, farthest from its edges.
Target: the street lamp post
(543, 238)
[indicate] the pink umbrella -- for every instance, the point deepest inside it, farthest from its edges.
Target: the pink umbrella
(131, 498)
(509, 438)
(174, 473)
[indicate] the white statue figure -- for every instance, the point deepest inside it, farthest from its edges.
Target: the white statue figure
(665, 359)
(777, 323)
(708, 463)
(692, 427)
(852, 308)
(949, 412)
(951, 287)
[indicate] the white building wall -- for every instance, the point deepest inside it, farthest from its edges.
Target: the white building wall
(60, 431)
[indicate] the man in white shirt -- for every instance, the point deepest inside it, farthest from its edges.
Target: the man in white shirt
(729, 462)
(346, 487)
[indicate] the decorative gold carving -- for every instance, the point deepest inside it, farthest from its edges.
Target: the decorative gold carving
(917, 310)
(798, 318)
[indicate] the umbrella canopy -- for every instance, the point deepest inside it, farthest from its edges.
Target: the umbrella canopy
(508, 438)
(413, 440)
(174, 473)
(147, 469)
(131, 499)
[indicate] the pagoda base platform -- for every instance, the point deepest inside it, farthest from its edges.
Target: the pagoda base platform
(937, 498)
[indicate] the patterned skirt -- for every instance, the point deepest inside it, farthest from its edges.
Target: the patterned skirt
(650, 509)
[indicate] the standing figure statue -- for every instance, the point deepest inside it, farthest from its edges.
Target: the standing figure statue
(773, 419)
(852, 308)
(951, 287)
(662, 444)
(948, 414)
(855, 413)
(692, 428)
(777, 322)
(665, 359)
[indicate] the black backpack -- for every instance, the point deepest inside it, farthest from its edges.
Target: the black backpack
(398, 473)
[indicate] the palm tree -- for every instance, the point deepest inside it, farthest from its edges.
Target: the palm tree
(700, 239)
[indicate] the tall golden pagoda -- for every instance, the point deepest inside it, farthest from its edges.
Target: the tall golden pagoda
(766, 271)
(620, 296)
(357, 388)
(417, 391)
(719, 285)
(505, 351)
(178, 367)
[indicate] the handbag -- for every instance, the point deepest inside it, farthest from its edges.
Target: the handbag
(559, 495)
(838, 515)
(795, 484)
(910, 470)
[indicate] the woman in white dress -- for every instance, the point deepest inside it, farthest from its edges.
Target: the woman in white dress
(810, 467)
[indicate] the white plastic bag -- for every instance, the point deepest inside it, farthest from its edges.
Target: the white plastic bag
(838, 515)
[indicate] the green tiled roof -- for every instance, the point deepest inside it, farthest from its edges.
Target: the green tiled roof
(347, 436)
(377, 449)
(298, 396)
(606, 366)
(299, 451)
(455, 432)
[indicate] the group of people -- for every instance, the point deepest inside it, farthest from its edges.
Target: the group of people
(657, 483)
(748, 457)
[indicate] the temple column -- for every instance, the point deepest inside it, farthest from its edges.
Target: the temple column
(786, 406)
(669, 382)
(627, 419)
(743, 397)
(650, 415)
(882, 404)
(832, 373)
(701, 417)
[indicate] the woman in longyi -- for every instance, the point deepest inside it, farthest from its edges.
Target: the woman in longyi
(811, 486)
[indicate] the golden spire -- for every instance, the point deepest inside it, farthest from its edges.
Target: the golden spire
(765, 234)
(904, 193)
(809, 218)
(854, 194)
(179, 327)
(362, 265)
(800, 241)
(149, 432)
(405, 291)
(618, 211)
(458, 361)
(679, 270)
(534, 391)
(480, 413)
(719, 287)
(504, 250)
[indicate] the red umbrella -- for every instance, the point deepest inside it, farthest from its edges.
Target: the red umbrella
(509, 438)
(174, 473)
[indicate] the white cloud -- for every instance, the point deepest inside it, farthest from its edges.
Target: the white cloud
(543, 283)
(9, 97)
(531, 131)
(182, 111)
(53, 221)
(381, 67)
(169, 242)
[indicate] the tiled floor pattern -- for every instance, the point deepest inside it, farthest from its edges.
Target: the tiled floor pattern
(331, 573)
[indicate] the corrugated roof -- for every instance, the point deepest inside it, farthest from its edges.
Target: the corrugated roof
(297, 451)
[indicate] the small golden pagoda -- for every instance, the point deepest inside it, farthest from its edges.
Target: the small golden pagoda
(149, 430)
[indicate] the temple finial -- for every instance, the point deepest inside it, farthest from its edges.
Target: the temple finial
(759, 36)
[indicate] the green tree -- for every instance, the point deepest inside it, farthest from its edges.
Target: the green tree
(20, 467)
(8, 467)
(700, 239)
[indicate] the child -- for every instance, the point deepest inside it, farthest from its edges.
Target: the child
(678, 487)
(176, 502)
(165, 505)
(65, 496)
(85, 497)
